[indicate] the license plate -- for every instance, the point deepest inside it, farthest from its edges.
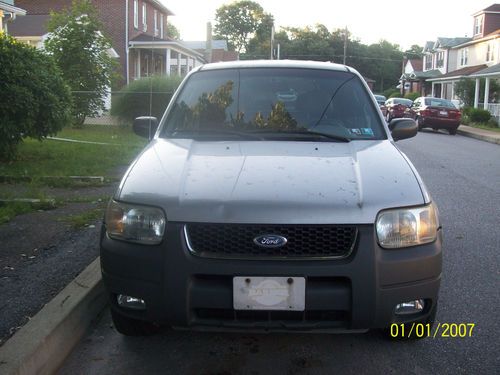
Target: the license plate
(269, 293)
(443, 113)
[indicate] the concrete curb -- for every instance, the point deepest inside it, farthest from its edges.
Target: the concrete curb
(481, 137)
(42, 345)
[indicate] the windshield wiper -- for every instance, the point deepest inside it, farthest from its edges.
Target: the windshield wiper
(306, 132)
(213, 133)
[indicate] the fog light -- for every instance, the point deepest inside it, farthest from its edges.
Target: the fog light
(129, 302)
(410, 307)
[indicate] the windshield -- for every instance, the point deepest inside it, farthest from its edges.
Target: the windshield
(273, 102)
(406, 102)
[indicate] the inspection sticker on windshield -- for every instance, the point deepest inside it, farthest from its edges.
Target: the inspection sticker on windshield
(362, 131)
(269, 293)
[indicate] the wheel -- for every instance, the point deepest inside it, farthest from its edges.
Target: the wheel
(453, 131)
(408, 327)
(420, 123)
(132, 327)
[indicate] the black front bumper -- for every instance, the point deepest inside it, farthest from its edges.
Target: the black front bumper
(356, 293)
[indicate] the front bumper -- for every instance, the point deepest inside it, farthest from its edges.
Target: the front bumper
(356, 293)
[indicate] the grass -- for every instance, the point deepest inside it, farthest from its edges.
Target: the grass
(56, 158)
(11, 209)
(485, 127)
(86, 218)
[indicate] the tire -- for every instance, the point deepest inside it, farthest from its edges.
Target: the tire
(453, 131)
(408, 327)
(132, 327)
(420, 123)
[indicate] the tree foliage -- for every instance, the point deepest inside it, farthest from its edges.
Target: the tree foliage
(144, 97)
(82, 53)
(239, 22)
(173, 32)
(34, 100)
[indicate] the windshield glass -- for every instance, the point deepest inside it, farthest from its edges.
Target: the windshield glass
(406, 102)
(271, 102)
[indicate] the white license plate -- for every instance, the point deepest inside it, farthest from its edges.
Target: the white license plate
(443, 113)
(269, 293)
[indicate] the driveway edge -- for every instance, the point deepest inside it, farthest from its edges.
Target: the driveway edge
(42, 345)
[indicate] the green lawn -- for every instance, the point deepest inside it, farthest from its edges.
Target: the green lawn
(57, 158)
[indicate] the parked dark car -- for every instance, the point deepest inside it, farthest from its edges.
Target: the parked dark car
(398, 108)
(436, 113)
(381, 103)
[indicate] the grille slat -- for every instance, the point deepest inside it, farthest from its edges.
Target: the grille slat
(237, 240)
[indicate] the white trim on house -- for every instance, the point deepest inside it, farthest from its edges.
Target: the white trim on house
(136, 14)
(144, 17)
(12, 9)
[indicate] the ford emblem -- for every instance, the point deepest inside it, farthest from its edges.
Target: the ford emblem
(270, 241)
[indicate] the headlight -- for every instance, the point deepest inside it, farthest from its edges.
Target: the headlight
(407, 226)
(134, 223)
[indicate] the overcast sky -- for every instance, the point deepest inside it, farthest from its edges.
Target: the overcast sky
(403, 22)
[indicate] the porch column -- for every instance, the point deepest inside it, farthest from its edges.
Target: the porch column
(167, 62)
(442, 90)
(179, 57)
(486, 93)
(138, 64)
(432, 92)
(476, 94)
(452, 90)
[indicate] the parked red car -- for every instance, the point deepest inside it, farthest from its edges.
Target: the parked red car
(436, 113)
(397, 108)
(381, 103)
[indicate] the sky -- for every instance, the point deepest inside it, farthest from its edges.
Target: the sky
(401, 22)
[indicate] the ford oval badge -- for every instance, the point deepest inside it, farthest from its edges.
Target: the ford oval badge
(270, 241)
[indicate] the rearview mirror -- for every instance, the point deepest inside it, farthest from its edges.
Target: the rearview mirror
(403, 128)
(145, 126)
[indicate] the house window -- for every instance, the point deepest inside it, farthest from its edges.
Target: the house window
(161, 26)
(156, 22)
(136, 14)
(428, 62)
(490, 51)
(478, 25)
(440, 59)
(464, 54)
(144, 17)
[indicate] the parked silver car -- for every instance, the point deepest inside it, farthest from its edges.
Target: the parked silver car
(272, 197)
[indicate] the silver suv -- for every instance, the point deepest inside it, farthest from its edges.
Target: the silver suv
(272, 197)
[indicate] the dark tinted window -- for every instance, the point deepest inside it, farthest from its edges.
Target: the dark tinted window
(275, 99)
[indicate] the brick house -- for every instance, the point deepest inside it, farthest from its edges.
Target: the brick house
(137, 29)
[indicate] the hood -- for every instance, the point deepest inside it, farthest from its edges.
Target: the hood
(271, 181)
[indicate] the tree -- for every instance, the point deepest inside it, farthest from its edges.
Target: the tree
(415, 52)
(238, 22)
(34, 99)
(173, 32)
(465, 90)
(82, 53)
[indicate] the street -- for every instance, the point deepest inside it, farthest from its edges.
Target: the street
(463, 176)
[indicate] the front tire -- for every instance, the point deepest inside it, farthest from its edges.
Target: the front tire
(132, 327)
(453, 131)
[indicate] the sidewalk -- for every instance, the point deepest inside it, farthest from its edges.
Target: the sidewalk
(482, 134)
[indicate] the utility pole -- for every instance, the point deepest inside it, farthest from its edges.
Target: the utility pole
(272, 43)
(345, 43)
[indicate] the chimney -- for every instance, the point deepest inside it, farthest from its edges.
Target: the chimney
(208, 49)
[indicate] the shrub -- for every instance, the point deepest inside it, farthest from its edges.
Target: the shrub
(391, 93)
(144, 96)
(34, 99)
(412, 95)
(479, 115)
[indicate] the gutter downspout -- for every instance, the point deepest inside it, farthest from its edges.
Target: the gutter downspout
(127, 63)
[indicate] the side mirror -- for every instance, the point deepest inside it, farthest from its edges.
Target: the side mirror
(403, 128)
(145, 126)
